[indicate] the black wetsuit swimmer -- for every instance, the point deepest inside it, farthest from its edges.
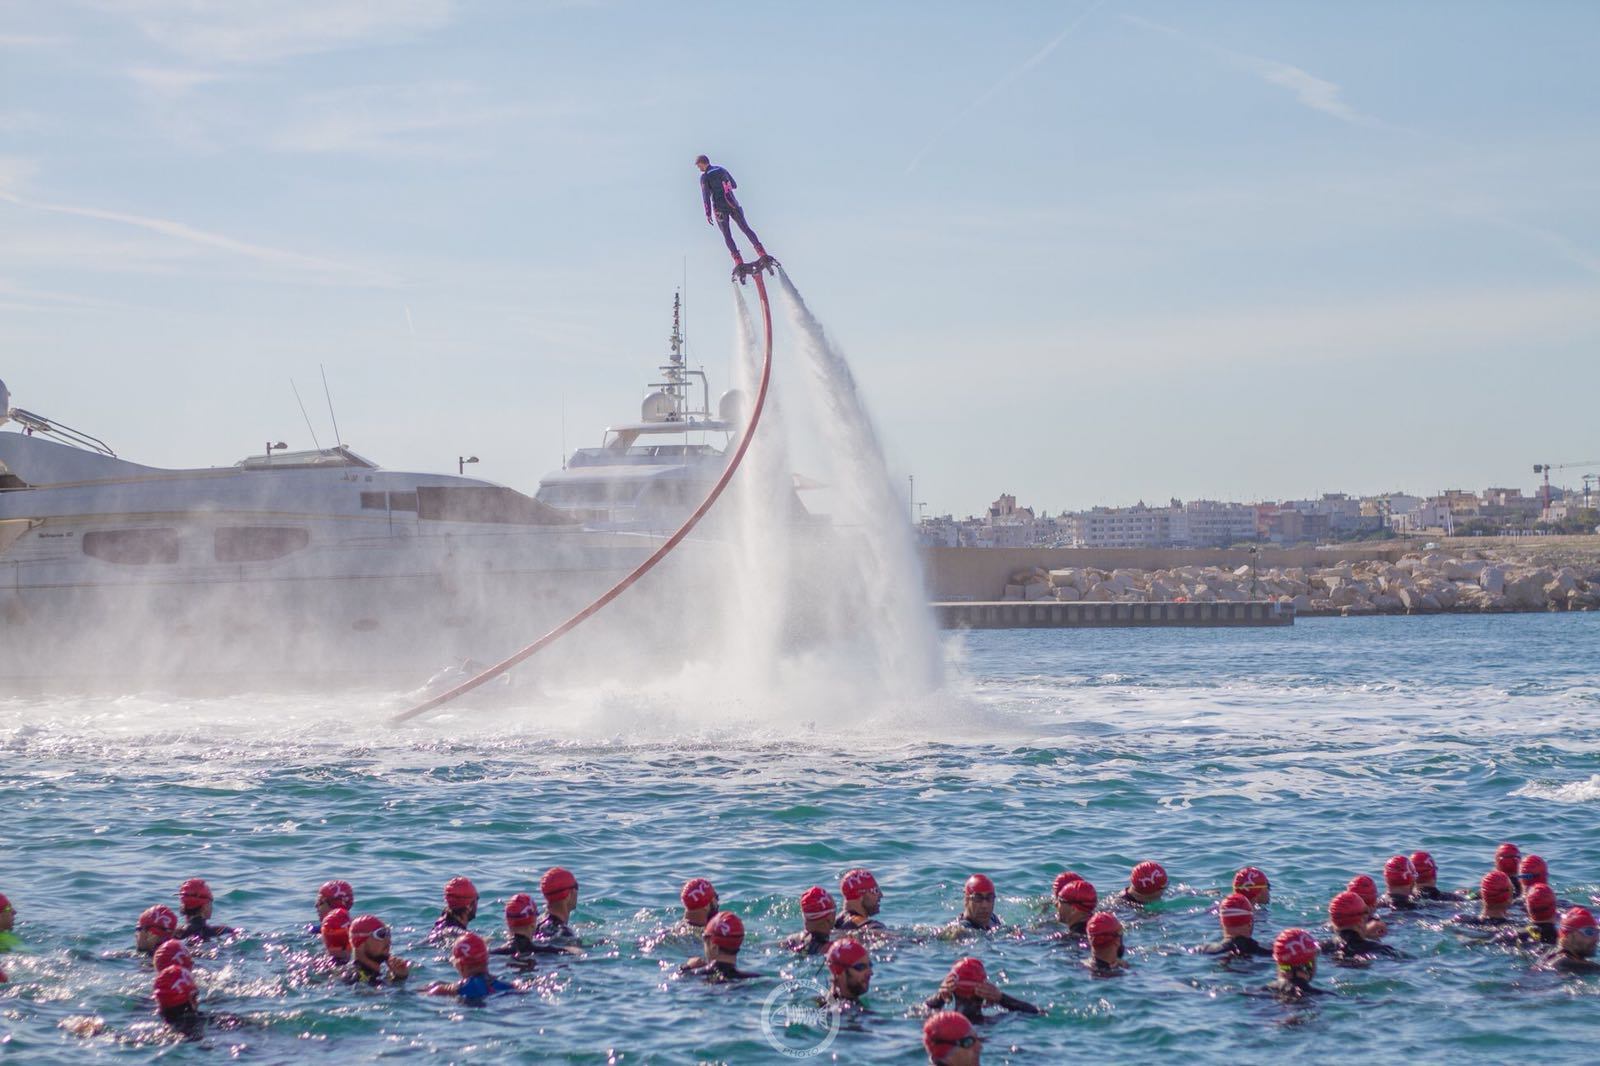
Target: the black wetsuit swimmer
(552, 928)
(1073, 933)
(1542, 933)
(965, 922)
(1566, 962)
(857, 923)
(359, 973)
(186, 1019)
(523, 946)
(1243, 947)
(1478, 921)
(808, 943)
(200, 929)
(720, 972)
(1399, 903)
(1293, 989)
(448, 926)
(1101, 968)
(1433, 895)
(1349, 944)
(972, 1007)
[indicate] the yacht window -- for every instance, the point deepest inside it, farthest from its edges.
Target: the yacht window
(132, 547)
(485, 503)
(374, 501)
(257, 544)
(402, 501)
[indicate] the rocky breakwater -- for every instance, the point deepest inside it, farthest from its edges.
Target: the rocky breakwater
(1415, 584)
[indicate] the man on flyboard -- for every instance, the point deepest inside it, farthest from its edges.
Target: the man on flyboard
(716, 193)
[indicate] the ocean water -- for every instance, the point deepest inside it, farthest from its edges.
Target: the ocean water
(1314, 752)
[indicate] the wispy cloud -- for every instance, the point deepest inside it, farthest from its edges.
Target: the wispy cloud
(1309, 90)
(170, 83)
(989, 94)
(262, 31)
(306, 266)
(414, 120)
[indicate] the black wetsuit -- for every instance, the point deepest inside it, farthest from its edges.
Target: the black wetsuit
(1542, 933)
(1101, 968)
(836, 1001)
(200, 929)
(1349, 944)
(716, 193)
(186, 1019)
(359, 973)
(1243, 947)
(1400, 903)
(719, 972)
(858, 923)
(971, 1007)
(1126, 898)
(967, 923)
(1074, 932)
(448, 924)
(1432, 894)
(1292, 990)
(808, 944)
(552, 928)
(523, 946)
(1566, 962)
(1477, 921)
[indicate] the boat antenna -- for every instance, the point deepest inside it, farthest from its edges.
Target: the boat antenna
(337, 439)
(305, 416)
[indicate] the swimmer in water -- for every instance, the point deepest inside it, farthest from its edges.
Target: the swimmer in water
(977, 907)
(850, 971)
(1295, 952)
(157, 925)
(1575, 948)
(1348, 914)
(1542, 930)
(1362, 885)
(1400, 883)
(1507, 857)
(522, 922)
(331, 896)
(723, 936)
(1064, 877)
(1106, 949)
(470, 955)
(1253, 885)
(194, 896)
(172, 953)
(966, 988)
(1145, 884)
(1238, 919)
(335, 927)
(370, 960)
(700, 899)
(178, 1001)
(1495, 894)
(950, 1040)
(819, 912)
(862, 898)
(1075, 901)
(460, 907)
(560, 890)
(1428, 880)
(1531, 871)
(9, 941)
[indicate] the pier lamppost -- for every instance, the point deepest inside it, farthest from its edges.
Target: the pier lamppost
(462, 461)
(271, 447)
(1255, 558)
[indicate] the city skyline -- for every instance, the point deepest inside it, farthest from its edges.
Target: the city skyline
(1091, 250)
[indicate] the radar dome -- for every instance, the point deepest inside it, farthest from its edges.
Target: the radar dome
(5, 403)
(657, 407)
(730, 406)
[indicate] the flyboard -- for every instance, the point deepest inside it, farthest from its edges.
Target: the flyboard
(752, 270)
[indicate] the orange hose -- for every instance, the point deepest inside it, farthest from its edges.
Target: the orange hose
(643, 568)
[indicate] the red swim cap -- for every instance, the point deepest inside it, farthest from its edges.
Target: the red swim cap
(159, 919)
(943, 1032)
(1237, 912)
(175, 986)
(1295, 947)
(1251, 883)
(857, 883)
(1532, 869)
(815, 902)
(338, 893)
(194, 893)
(369, 926)
(698, 892)
(471, 950)
(1103, 928)
(1062, 878)
(1363, 886)
(459, 892)
(1398, 872)
(1541, 903)
(336, 930)
(1427, 869)
(5, 904)
(969, 974)
(521, 910)
(845, 953)
(978, 883)
(1505, 859)
(725, 930)
(1495, 886)
(1577, 918)
(1148, 877)
(1345, 909)
(173, 953)
(557, 882)
(1079, 893)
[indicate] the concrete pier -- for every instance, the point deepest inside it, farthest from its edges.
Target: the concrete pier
(1052, 614)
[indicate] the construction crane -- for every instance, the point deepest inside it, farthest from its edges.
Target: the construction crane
(1545, 468)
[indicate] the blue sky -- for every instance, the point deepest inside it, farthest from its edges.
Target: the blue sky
(1080, 252)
